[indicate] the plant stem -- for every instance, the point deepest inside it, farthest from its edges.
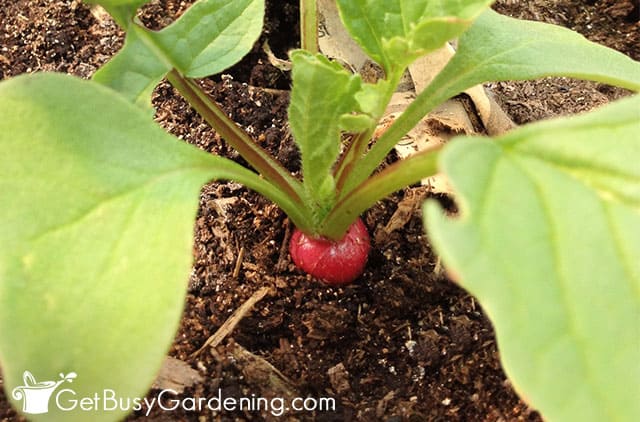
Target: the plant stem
(427, 100)
(309, 25)
(349, 158)
(226, 169)
(357, 149)
(395, 177)
(260, 159)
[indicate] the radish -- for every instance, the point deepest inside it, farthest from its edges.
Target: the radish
(334, 262)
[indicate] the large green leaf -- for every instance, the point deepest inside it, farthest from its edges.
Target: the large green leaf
(549, 242)
(322, 92)
(209, 37)
(97, 205)
(500, 48)
(394, 33)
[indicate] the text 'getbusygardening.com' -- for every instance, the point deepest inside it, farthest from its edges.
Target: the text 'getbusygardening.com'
(166, 400)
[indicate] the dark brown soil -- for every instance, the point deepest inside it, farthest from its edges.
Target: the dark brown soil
(403, 342)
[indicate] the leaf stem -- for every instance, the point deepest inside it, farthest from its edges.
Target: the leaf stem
(230, 170)
(355, 152)
(395, 177)
(426, 101)
(309, 25)
(355, 149)
(260, 159)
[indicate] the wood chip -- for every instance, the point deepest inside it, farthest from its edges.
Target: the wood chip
(264, 379)
(176, 375)
(339, 378)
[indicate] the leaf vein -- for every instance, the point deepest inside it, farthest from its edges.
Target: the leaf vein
(574, 334)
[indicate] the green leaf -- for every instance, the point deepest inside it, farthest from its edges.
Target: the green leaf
(209, 37)
(500, 48)
(322, 92)
(96, 232)
(355, 123)
(549, 242)
(134, 72)
(212, 35)
(394, 33)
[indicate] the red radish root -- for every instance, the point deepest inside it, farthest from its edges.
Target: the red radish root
(334, 262)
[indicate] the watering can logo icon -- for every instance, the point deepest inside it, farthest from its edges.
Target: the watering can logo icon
(35, 395)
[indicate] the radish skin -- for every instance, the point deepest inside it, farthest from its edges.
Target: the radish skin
(334, 262)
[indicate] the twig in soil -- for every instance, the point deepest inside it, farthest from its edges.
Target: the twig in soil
(238, 266)
(282, 256)
(438, 269)
(230, 324)
(271, 91)
(282, 65)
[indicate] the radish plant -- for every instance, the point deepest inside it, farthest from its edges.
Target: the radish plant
(98, 202)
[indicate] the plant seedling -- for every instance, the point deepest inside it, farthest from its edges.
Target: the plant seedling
(85, 174)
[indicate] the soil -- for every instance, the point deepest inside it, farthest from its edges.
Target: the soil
(403, 342)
